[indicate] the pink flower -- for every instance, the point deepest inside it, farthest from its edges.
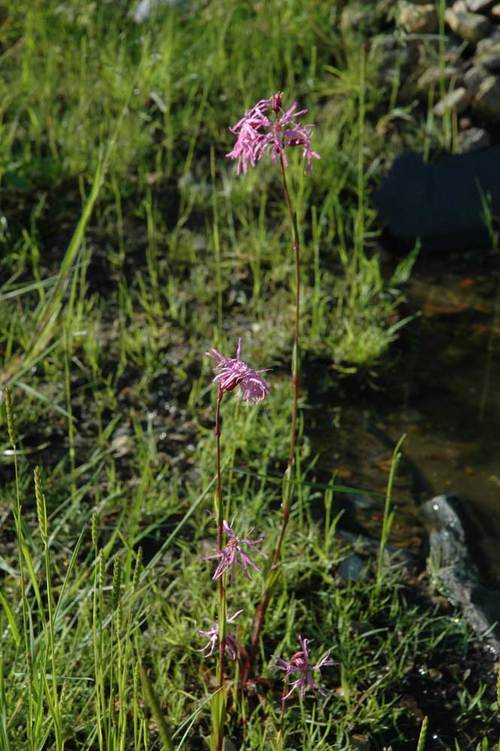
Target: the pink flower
(230, 643)
(233, 554)
(300, 665)
(232, 372)
(268, 127)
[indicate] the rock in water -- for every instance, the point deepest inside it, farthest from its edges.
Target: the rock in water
(440, 203)
(451, 536)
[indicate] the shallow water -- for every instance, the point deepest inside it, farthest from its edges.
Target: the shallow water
(443, 393)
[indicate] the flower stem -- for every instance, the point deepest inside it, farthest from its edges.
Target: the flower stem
(219, 730)
(261, 609)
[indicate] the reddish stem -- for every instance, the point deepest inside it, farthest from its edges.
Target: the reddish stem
(220, 538)
(261, 609)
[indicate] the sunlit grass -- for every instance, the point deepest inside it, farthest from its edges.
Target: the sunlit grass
(102, 340)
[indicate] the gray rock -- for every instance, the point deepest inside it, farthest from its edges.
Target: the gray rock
(455, 101)
(479, 6)
(352, 568)
(418, 19)
(495, 12)
(454, 569)
(474, 78)
(472, 139)
(471, 27)
(487, 100)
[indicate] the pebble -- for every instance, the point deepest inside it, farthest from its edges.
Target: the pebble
(418, 19)
(471, 27)
(473, 139)
(455, 101)
(495, 12)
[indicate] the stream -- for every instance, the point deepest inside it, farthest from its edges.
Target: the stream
(441, 390)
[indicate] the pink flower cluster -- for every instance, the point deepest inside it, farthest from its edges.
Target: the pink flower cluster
(233, 554)
(232, 372)
(268, 127)
(299, 664)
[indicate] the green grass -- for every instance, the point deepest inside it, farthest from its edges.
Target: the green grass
(128, 248)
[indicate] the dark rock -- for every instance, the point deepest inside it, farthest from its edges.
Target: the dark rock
(440, 203)
(408, 561)
(452, 536)
(352, 568)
